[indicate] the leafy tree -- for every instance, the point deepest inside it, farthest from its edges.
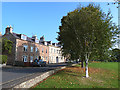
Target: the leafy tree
(6, 45)
(115, 54)
(87, 32)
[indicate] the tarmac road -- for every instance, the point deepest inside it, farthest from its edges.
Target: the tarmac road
(11, 76)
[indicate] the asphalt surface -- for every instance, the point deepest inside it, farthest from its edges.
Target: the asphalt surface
(12, 76)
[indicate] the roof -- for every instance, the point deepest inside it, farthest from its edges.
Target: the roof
(18, 36)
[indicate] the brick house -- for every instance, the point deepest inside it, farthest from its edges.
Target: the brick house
(26, 49)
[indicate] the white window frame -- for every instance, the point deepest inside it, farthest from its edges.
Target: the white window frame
(31, 49)
(31, 58)
(42, 58)
(51, 50)
(36, 49)
(25, 48)
(25, 59)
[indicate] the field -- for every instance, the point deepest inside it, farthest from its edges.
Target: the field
(102, 75)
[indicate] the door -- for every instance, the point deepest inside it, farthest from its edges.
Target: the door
(56, 59)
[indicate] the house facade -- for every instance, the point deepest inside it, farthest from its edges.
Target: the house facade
(26, 49)
(55, 54)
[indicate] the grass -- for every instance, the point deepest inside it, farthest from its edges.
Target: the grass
(102, 75)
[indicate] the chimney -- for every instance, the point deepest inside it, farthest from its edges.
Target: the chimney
(9, 29)
(50, 42)
(42, 38)
(34, 36)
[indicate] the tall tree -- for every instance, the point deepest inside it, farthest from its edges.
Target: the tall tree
(87, 31)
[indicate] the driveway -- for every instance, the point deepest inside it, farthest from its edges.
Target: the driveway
(11, 76)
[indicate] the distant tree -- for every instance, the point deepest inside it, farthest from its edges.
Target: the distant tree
(87, 32)
(115, 54)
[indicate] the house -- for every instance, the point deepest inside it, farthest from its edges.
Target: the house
(26, 49)
(55, 53)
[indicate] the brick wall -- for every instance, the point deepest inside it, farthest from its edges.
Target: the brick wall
(20, 50)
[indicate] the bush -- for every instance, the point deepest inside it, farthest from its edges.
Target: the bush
(3, 59)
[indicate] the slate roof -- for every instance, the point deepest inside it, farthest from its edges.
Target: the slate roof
(18, 36)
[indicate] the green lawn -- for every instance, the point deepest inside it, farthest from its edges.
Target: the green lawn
(102, 75)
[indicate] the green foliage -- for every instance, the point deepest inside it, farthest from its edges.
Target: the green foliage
(7, 45)
(3, 59)
(87, 31)
(115, 54)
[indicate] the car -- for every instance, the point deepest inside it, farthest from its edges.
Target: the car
(42, 63)
(39, 63)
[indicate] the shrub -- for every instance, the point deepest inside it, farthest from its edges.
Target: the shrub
(3, 59)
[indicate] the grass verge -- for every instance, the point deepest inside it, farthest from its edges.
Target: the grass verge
(102, 75)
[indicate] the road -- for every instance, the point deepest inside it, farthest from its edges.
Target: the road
(11, 76)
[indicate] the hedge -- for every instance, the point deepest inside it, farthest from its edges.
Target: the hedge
(3, 59)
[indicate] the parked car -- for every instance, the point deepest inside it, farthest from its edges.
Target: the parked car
(39, 63)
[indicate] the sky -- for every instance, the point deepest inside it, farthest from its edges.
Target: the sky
(42, 18)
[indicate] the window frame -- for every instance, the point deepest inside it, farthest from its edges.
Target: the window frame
(25, 59)
(31, 49)
(25, 48)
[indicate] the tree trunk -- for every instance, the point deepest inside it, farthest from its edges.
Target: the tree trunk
(82, 64)
(86, 66)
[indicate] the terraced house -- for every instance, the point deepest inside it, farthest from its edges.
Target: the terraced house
(26, 49)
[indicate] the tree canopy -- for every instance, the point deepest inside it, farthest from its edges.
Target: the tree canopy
(87, 32)
(6, 45)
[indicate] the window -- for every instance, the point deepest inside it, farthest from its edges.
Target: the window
(31, 48)
(46, 50)
(51, 50)
(31, 58)
(46, 58)
(36, 49)
(49, 58)
(23, 37)
(25, 47)
(54, 50)
(24, 58)
(57, 51)
(42, 58)
(42, 50)
(36, 40)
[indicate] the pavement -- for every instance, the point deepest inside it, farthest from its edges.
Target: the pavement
(12, 76)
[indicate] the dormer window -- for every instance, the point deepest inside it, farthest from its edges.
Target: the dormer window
(25, 47)
(36, 41)
(24, 37)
